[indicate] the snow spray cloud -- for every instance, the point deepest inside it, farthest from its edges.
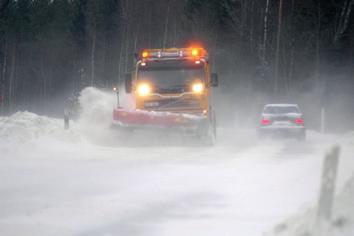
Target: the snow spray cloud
(96, 113)
(96, 108)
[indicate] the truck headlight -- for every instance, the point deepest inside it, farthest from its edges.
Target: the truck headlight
(144, 89)
(198, 87)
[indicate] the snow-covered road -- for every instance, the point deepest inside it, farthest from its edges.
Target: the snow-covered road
(56, 182)
(53, 187)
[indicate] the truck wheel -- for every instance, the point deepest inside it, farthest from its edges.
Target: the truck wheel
(209, 138)
(214, 126)
(206, 133)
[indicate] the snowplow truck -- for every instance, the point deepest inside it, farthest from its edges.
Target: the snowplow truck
(172, 89)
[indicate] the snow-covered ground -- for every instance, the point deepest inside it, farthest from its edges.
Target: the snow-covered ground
(341, 223)
(83, 182)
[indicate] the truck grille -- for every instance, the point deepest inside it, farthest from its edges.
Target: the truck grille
(171, 103)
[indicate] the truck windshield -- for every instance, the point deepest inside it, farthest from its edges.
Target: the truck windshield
(171, 77)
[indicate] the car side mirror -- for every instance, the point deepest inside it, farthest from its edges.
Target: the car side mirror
(214, 80)
(128, 83)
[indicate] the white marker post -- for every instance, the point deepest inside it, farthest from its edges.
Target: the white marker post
(66, 119)
(328, 182)
(323, 120)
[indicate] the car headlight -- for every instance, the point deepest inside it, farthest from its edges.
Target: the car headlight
(144, 89)
(198, 87)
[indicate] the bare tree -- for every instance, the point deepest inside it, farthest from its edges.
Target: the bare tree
(165, 36)
(3, 77)
(265, 32)
(343, 20)
(12, 76)
(277, 52)
(3, 4)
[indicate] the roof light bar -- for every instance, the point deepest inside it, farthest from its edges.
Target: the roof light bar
(195, 52)
(188, 53)
(145, 54)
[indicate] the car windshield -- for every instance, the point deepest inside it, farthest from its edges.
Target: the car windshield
(166, 77)
(281, 109)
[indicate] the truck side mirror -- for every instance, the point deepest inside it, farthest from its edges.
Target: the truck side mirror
(136, 56)
(128, 83)
(214, 80)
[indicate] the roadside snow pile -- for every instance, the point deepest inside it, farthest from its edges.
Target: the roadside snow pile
(26, 126)
(341, 225)
(351, 138)
(95, 118)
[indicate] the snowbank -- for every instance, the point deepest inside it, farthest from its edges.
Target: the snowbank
(96, 112)
(25, 131)
(351, 138)
(24, 126)
(342, 217)
(94, 121)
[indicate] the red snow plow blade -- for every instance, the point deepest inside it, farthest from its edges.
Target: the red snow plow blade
(153, 119)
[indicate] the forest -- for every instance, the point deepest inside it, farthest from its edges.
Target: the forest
(50, 49)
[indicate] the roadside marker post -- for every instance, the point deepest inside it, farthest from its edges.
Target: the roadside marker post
(328, 183)
(66, 119)
(323, 120)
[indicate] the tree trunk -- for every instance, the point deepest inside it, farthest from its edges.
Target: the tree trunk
(127, 37)
(3, 5)
(3, 79)
(164, 44)
(277, 52)
(120, 60)
(11, 91)
(127, 45)
(44, 82)
(252, 46)
(292, 48)
(123, 35)
(93, 57)
(318, 43)
(343, 20)
(106, 79)
(265, 33)
(136, 38)
(150, 28)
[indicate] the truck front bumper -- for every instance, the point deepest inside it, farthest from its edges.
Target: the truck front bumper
(157, 119)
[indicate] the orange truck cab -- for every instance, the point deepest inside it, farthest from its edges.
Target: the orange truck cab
(172, 88)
